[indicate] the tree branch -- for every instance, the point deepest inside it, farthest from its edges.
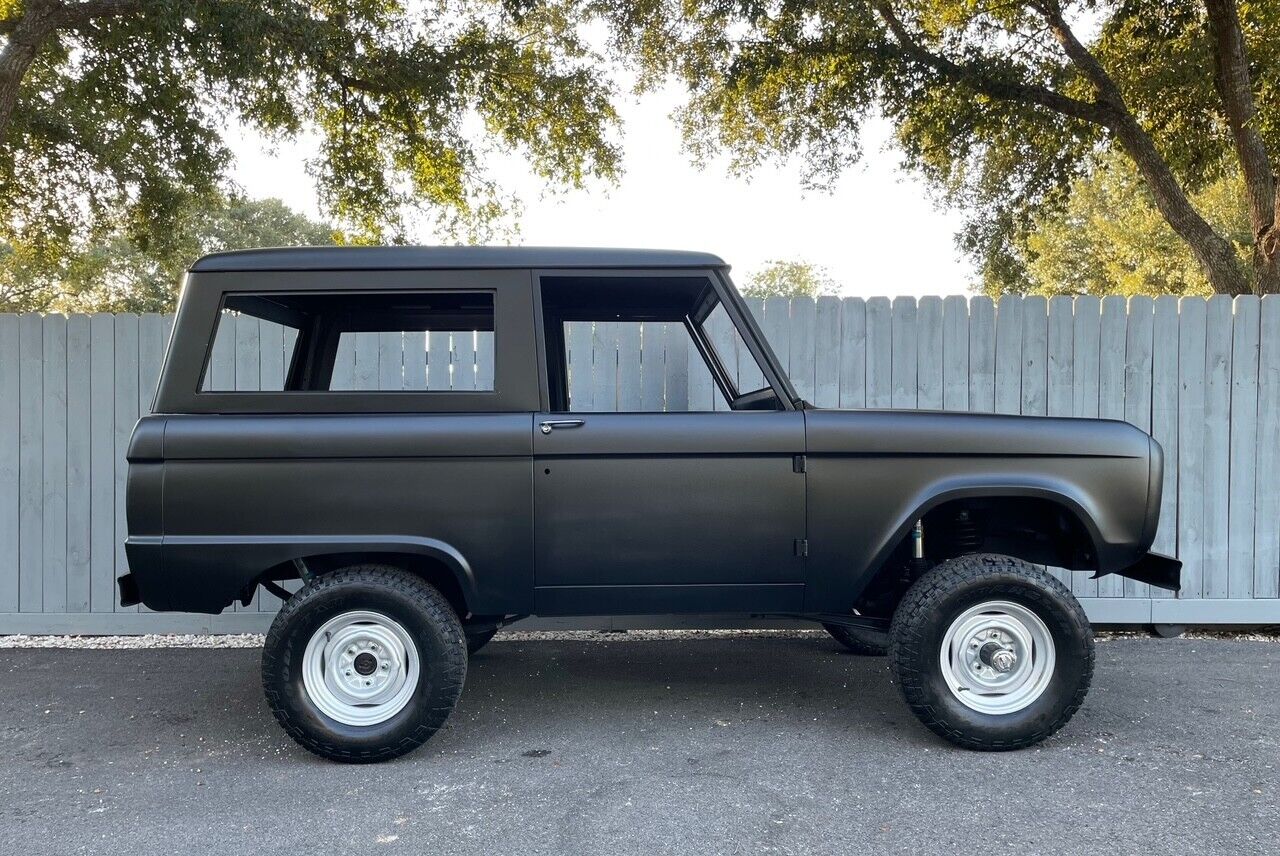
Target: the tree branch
(981, 80)
(28, 33)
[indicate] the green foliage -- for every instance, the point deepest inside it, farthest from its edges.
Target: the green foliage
(119, 120)
(1110, 239)
(110, 273)
(985, 100)
(789, 279)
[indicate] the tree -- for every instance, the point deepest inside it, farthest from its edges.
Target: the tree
(111, 274)
(112, 111)
(789, 279)
(1002, 104)
(1109, 238)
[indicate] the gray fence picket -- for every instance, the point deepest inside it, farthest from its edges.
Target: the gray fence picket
(1084, 389)
(1035, 356)
(1164, 421)
(604, 372)
(1059, 368)
(578, 335)
(652, 368)
(629, 356)
(1217, 439)
(1009, 354)
(879, 352)
(390, 357)
(929, 369)
(30, 463)
(676, 344)
(1111, 356)
(982, 355)
(826, 384)
(802, 360)
(955, 353)
(126, 416)
(905, 371)
(10, 497)
(1243, 448)
(1266, 514)
(1137, 387)
(1191, 401)
(853, 352)
(54, 472)
(102, 463)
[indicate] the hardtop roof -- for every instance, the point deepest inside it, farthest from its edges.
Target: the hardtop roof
(451, 257)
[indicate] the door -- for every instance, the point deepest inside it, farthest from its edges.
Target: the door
(652, 493)
(641, 513)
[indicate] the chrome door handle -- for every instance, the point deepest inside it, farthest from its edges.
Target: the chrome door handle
(551, 424)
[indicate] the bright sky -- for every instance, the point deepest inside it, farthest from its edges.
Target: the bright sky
(878, 233)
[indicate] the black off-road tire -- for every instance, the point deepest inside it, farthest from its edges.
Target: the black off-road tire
(935, 601)
(478, 639)
(860, 640)
(425, 615)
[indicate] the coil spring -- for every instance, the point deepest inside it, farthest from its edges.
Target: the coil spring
(965, 532)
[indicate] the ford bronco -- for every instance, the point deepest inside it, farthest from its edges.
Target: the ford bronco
(417, 438)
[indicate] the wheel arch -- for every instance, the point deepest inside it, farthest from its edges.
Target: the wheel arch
(932, 505)
(207, 574)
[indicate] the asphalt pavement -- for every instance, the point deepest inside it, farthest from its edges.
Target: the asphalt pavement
(681, 746)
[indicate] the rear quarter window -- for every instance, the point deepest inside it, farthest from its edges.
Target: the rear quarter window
(403, 341)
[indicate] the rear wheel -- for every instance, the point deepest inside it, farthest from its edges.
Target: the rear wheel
(991, 653)
(860, 640)
(364, 664)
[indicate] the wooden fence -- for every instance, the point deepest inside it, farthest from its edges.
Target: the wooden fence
(1202, 375)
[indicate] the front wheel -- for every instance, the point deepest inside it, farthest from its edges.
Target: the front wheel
(364, 664)
(991, 653)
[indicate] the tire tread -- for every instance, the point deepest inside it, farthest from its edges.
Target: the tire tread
(1010, 575)
(452, 667)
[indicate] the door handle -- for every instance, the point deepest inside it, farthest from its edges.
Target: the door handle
(551, 424)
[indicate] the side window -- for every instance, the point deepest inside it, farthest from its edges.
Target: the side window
(354, 341)
(636, 366)
(643, 344)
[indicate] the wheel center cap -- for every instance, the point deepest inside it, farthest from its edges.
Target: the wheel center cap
(998, 657)
(366, 663)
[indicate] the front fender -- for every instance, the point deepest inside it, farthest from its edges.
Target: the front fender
(207, 573)
(1063, 493)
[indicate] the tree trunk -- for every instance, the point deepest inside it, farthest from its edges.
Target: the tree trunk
(38, 22)
(1216, 255)
(1236, 89)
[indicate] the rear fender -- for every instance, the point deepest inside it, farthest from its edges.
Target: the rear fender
(207, 573)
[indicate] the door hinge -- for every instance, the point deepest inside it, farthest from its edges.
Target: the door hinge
(802, 547)
(798, 463)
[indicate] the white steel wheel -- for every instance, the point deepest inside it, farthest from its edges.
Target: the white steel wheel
(360, 668)
(997, 657)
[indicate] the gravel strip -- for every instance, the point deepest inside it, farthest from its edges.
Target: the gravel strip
(255, 640)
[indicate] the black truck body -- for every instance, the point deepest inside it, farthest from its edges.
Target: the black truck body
(786, 510)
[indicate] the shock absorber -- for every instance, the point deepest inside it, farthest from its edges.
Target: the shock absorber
(918, 564)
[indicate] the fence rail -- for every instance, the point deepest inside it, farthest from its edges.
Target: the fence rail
(1203, 376)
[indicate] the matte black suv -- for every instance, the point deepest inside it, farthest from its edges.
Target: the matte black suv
(419, 437)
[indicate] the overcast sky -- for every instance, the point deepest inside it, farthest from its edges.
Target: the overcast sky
(878, 233)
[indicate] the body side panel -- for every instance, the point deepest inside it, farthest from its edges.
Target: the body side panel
(242, 493)
(873, 473)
